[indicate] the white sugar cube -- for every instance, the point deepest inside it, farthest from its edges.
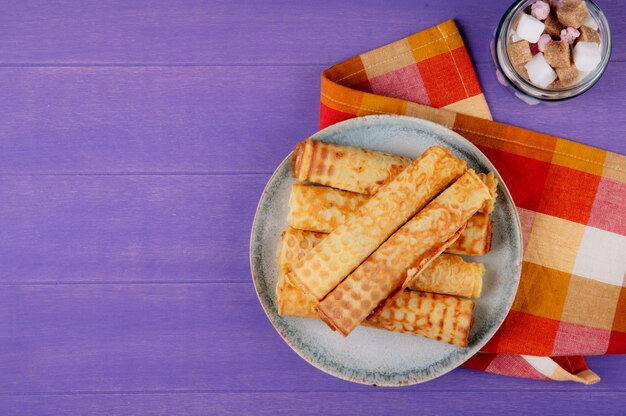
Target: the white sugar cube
(590, 22)
(539, 71)
(587, 56)
(529, 28)
(515, 37)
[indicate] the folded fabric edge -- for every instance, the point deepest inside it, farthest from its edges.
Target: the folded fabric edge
(334, 110)
(534, 367)
(425, 52)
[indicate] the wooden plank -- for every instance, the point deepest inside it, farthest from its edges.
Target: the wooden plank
(126, 120)
(288, 403)
(236, 32)
(181, 337)
(216, 120)
(126, 228)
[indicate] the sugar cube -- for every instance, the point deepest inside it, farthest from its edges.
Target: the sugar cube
(540, 10)
(519, 52)
(587, 34)
(543, 41)
(572, 13)
(553, 26)
(529, 28)
(540, 73)
(557, 54)
(566, 76)
(569, 35)
(587, 56)
(590, 22)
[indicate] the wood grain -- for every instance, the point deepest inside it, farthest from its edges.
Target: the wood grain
(101, 228)
(135, 140)
(273, 32)
(216, 120)
(182, 337)
(289, 403)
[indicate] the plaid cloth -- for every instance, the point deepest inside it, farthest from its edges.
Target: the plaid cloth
(571, 200)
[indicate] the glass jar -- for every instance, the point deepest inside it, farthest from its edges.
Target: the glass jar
(509, 77)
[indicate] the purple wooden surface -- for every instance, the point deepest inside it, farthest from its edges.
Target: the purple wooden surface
(275, 32)
(135, 141)
(343, 403)
(139, 228)
(126, 122)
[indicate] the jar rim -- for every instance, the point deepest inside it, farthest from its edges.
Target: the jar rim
(502, 59)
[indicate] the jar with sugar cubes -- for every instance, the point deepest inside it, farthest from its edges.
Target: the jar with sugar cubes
(551, 50)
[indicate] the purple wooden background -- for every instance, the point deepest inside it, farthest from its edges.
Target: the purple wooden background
(135, 140)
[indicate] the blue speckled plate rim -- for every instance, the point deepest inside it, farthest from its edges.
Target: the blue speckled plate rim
(453, 360)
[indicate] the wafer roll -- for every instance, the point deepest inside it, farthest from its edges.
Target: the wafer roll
(358, 170)
(475, 239)
(322, 209)
(404, 255)
(294, 244)
(492, 184)
(451, 275)
(415, 313)
(292, 301)
(344, 167)
(440, 317)
(328, 263)
(447, 274)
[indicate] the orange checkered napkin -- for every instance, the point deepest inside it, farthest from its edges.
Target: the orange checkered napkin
(571, 199)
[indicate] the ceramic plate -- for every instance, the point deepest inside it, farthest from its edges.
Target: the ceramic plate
(368, 355)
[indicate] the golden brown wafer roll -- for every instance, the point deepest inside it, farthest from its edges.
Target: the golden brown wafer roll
(492, 184)
(294, 244)
(322, 209)
(344, 167)
(475, 239)
(357, 170)
(440, 317)
(414, 313)
(292, 301)
(447, 274)
(403, 256)
(450, 275)
(329, 262)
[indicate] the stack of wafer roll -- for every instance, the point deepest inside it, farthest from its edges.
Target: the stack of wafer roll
(439, 317)
(364, 172)
(404, 255)
(337, 255)
(378, 227)
(446, 274)
(322, 209)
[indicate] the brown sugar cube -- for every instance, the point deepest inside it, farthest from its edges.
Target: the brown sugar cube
(572, 13)
(587, 34)
(553, 26)
(519, 52)
(566, 76)
(557, 54)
